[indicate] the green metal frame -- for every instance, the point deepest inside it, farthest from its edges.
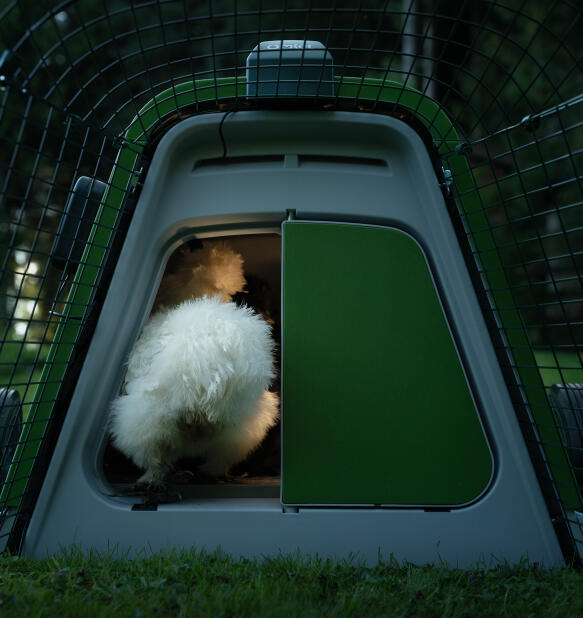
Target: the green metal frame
(366, 91)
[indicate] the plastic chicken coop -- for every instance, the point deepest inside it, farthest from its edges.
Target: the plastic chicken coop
(403, 182)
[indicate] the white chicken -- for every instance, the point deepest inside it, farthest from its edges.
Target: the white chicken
(197, 377)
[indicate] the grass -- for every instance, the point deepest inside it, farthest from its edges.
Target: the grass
(191, 583)
(559, 367)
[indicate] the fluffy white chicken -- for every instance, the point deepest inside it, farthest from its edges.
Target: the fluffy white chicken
(197, 377)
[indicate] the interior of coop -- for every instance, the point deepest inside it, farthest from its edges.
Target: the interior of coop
(261, 255)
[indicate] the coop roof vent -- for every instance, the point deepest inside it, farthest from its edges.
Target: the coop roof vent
(290, 69)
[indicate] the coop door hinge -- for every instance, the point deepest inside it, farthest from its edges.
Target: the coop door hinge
(447, 183)
(136, 188)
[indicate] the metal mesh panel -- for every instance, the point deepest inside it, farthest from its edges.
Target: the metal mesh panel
(87, 86)
(522, 210)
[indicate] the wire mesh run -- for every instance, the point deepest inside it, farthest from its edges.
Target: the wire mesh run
(87, 88)
(525, 237)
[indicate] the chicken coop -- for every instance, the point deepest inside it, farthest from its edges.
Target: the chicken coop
(401, 182)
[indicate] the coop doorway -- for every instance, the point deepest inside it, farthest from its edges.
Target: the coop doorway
(258, 475)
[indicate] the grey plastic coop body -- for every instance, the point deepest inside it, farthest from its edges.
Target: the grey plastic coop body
(398, 433)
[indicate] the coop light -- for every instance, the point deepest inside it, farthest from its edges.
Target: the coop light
(290, 69)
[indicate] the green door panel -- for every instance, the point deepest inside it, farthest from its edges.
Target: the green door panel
(376, 407)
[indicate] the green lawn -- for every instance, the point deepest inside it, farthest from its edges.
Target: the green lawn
(559, 367)
(197, 584)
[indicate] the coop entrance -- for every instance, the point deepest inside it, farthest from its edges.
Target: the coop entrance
(377, 407)
(258, 474)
